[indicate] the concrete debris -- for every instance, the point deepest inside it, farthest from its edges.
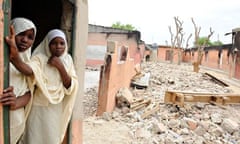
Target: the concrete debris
(141, 80)
(195, 123)
(124, 98)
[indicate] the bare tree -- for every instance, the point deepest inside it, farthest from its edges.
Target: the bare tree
(173, 41)
(187, 42)
(177, 39)
(200, 48)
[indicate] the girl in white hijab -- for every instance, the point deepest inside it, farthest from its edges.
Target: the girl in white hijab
(56, 87)
(18, 95)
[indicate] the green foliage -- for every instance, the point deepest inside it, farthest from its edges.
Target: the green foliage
(216, 43)
(203, 40)
(118, 25)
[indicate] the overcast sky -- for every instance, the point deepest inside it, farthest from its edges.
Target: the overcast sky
(153, 17)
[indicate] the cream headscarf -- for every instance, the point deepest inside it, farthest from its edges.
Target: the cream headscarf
(21, 25)
(19, 82)
(50, 88)
(43, 48)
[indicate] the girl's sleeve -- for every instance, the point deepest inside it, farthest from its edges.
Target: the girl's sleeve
(74, 80)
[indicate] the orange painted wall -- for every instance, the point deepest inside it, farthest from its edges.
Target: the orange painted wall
(164, 56)
(237, 69)
(210, 59)
(94, 63)
(100, 39)
(114, 75)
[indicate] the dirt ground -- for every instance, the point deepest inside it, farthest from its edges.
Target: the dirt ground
(195, 123)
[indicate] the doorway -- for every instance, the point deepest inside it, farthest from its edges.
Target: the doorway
(45, 14)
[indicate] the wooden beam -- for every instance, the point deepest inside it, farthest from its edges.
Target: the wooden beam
(139, 103)
(150, 109)
(215, 79)
(179, 98)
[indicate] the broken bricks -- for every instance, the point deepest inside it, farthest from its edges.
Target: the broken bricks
(124, 98)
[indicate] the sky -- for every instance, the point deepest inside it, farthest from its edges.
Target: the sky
(153, 17)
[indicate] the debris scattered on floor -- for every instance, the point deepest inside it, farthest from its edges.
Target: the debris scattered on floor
(152, 121)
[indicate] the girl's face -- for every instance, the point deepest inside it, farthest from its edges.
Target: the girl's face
(24, 40)
(57, 46)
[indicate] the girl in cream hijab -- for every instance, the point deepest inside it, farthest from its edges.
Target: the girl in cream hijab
(56, 87)
(18, 95)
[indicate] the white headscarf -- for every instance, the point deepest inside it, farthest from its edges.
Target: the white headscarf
(44, 45)
(20, 25)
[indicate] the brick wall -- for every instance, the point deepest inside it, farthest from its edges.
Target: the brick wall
(98, 42)
(237, 68)
(211, 59)
(114, 75)
(163, 53)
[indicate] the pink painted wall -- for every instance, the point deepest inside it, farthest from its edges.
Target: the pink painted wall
(210, 59)
(237, 69)
(100, 39)
(114, 75)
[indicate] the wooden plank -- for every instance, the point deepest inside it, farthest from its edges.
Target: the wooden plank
(190, 96)
(139, 104)
(150, 109)
(230, 99)
(217, 80)
(179, 98)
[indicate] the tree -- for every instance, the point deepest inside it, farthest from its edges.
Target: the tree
(202, 40)
(200, 47)
(218, 42)
(118, 25)
(177, 39)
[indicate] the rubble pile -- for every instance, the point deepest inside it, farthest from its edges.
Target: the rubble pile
(195, 123)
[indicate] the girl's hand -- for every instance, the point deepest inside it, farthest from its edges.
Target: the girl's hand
(8, 98)
(10, 40)
(55, 61)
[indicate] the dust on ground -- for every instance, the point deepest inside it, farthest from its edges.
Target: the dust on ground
(195, 123)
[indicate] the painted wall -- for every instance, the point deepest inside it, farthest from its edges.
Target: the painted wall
(212, 59)
(114, 75)
(163, 53)
(97, 45)
(237, 68)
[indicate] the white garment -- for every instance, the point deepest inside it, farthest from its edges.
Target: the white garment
(52, 102)
(19, 82)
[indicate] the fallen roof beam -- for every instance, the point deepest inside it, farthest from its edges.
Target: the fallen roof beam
(179, 98)
(217, 80)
